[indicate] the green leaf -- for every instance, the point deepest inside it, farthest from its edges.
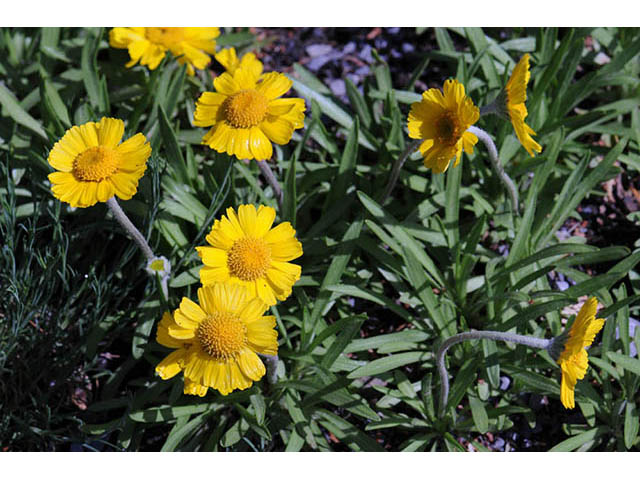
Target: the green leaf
(631, 424)
(479, 414)
(626, 362)
(177, 435)
(336, 269)
(19, 115)
(577, 441)
(167, 413)
(346, 169)
(350, 330)
(384, 364)
(89, 65)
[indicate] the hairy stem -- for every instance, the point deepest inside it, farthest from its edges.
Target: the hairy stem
(265, 169)
(539, 343)
(395, 171)
(497, 166)
(130, 228)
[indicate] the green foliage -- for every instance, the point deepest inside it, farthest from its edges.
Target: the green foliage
(384, 281)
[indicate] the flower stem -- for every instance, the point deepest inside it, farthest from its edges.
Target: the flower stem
(265, 169)
(124, 221)
(539, 343)
(395, 171)
(271, 362)
(497, 166)
(130, 228)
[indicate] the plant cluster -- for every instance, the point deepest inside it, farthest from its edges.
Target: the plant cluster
(368, 252)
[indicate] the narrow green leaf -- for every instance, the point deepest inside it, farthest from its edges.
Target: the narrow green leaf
(479, 414)
(577, 441)
(626, 362)
(19, 115)
(385, 364)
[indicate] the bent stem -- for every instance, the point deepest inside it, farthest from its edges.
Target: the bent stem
(497, 166)
(139, 239)
(265, 169)
(539, 343)
(395, 171)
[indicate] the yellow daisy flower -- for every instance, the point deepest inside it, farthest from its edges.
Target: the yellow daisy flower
(573, 359)
(230, 61)
(441, 119)
(246, 113)
(217, 340)
(93, 165)
(515, 97)
(149, 45)
(245, 250)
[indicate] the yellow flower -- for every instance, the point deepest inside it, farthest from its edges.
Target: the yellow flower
(516, 95)
(246, 113)
(93, 165)
(230, 61)
(442, 120)
(149, 45)
(573, 359)
(217, 340)
(246, 250)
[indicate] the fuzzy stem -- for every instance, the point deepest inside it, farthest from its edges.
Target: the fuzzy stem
(122, 218)
(271, 362)
(497, 166)
(395, 171)
(540, 343)
(273, 181)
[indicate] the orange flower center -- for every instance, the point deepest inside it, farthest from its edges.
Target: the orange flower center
(222, 335)
(166, 36)
(447, 129)
(249, 259)
(245, 109)
(95, 164)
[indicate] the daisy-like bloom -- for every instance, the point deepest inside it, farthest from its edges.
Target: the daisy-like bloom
(149, 45)
(93, 165)
(568, 349)
(230, 61)
(217, 340)
(245, 250)
(174, 362)
(441, 119)
(514, 97)
(246, 113)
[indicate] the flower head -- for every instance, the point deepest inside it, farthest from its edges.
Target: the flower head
(441, 119)
(93, 166)
(246, 113)
(230, 61)
(216, 340)
(514, 99)
(149, 45)
(568, 349)
(245, 250)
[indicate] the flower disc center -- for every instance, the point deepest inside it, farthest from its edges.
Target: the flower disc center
(249, 258)
(447, 129)
(245, 109)
(95, 164)
(222, 335)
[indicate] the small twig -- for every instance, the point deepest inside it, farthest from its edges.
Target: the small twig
(395, 171)
(540, 343)
(273, 181)
(497, 166)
